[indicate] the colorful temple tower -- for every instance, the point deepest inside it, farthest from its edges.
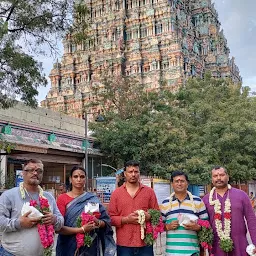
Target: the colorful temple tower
(160, 42)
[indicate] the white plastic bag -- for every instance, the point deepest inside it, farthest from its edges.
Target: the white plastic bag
(34, 212)
(92, 207)
(249, 249)
(186, 218)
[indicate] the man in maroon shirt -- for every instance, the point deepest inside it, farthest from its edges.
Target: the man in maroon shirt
(123, 206)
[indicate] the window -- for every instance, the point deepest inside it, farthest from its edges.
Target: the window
(158, 29)
(165, 64)
(128, 35)
(135, 33)
(144, 32)
(117, 4)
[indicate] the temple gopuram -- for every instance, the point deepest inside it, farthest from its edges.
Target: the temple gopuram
(159, 42)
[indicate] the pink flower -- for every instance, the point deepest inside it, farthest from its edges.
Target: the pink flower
(44, 204)
(43, 235)
(85, 218)
(149, 228)
(205, 245)
(46, 233)
(33, 203)
(79, 240)
(227, 215)
(50, 234)
(155, 234)
(217, 216)
(204, 223)
(153, 228)
(96, 214)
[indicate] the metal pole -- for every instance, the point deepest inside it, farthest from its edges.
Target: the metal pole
(92, 175)
(86, 145)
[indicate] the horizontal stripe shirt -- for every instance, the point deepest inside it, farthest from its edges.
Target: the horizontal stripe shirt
(181, 241)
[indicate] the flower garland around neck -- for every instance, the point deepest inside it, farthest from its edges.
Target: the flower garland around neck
(46, 233)
(23, 191)
(226, 243)
(190, 198)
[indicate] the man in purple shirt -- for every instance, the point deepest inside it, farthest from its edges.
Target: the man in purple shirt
(228, 208)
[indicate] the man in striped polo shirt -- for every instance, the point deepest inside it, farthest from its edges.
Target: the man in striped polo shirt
(182, 239)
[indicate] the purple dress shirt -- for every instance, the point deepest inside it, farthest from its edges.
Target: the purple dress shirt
(241, 211)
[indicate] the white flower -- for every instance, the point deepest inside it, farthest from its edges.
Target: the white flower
(223, 233)
(190, 198)
(141, 221)
(23, 191)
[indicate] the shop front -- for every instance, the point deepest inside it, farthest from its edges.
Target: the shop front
(55, 139)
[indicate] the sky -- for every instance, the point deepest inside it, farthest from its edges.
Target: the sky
(238, 20)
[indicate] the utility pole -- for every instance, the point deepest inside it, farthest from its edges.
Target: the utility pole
(85, 117)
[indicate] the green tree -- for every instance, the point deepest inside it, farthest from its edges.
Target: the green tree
(137, 125)
(33, 24)
(208, 122)
(220, 125)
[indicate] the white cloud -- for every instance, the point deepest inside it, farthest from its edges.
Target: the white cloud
(239, 23)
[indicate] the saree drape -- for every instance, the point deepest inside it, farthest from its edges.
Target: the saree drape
(103, 243)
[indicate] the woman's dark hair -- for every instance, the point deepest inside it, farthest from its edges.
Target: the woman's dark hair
(179, 173)
(131, 163)
(75, 168)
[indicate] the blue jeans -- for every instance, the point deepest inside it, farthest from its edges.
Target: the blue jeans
(135, 251)
(3, 252)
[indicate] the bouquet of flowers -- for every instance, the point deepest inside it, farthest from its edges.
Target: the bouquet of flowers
(205, 235)
(153, 227)
(84, 239)
(46, 233)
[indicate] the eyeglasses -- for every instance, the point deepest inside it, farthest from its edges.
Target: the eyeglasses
(79, 176)
(39, 171)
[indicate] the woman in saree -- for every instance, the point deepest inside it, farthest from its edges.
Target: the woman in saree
(71, 205)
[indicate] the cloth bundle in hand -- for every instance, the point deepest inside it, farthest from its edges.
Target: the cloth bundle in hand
(28, 208)
(93, 208)
(186, 218)
(249, 249)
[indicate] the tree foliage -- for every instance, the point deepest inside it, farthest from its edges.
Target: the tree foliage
(33, 25)
(207, 122)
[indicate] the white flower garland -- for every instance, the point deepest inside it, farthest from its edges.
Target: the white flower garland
(23, 191)
(190, 198)
(141, 221)
(223, 233)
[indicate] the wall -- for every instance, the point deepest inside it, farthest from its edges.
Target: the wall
(43, 118)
